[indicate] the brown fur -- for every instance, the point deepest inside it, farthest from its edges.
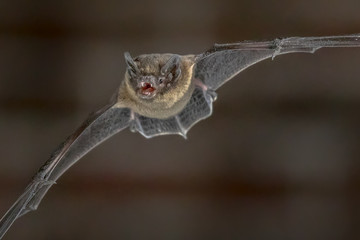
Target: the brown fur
(163, 105)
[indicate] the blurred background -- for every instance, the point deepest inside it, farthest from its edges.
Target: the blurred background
(279, 159)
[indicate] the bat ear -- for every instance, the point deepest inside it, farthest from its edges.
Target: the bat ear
(172, 67)
(132, 68)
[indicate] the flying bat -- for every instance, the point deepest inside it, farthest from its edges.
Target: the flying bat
(161, 94)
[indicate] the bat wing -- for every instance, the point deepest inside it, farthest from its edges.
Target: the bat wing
(96, 129)
(221, 63)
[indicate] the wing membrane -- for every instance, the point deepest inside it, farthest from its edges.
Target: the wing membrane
(224, 61)
(199, 107)
(94, 131)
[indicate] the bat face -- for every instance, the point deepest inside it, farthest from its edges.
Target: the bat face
(157, 85)
(154, 74)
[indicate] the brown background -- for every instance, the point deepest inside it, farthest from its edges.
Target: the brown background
(279, 159)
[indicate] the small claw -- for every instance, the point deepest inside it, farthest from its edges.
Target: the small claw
(212, 94)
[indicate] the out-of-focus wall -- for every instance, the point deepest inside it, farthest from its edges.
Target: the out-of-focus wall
(279, 159)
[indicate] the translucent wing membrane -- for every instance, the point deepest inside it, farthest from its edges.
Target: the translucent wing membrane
(150, 127)
(199, 107)
(224, 61)
(95, 130)
(217, 68)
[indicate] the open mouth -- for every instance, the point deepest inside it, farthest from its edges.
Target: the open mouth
(146, 88)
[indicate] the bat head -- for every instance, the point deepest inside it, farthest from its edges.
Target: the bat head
(153, 74)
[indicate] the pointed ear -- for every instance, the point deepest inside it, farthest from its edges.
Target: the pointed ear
(172, 67)
(132, 68)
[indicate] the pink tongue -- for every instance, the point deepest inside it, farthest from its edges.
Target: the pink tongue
(147, 89)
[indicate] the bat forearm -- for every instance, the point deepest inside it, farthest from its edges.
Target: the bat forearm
(293, 44)
(95, 130)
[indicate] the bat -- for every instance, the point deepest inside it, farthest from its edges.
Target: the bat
(161, 94)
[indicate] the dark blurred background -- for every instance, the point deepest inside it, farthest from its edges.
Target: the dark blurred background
(279, 159)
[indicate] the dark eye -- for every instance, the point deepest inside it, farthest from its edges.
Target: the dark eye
(161, 80)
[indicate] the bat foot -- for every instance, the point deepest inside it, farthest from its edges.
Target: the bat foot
(133, 127)
(212, 94)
